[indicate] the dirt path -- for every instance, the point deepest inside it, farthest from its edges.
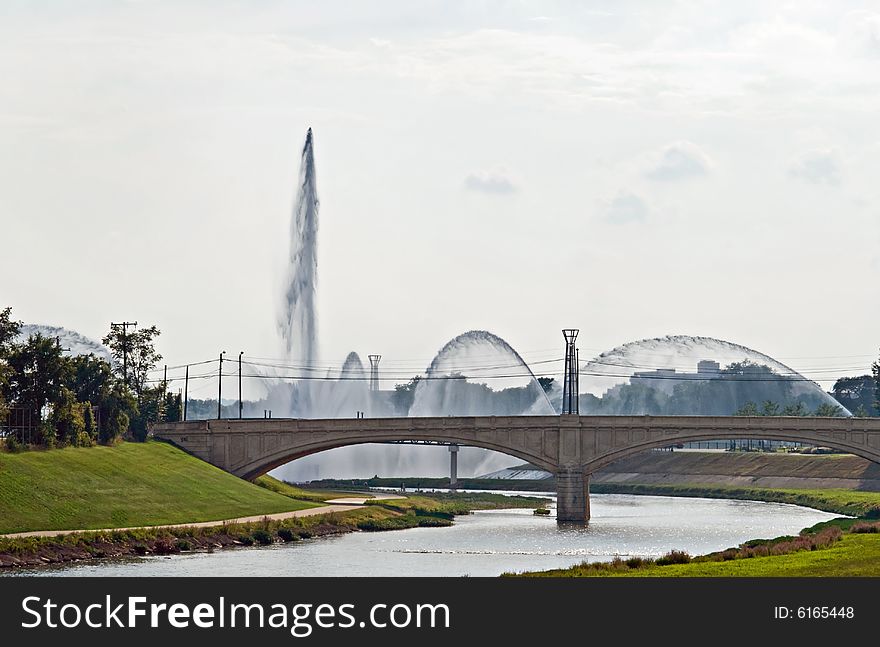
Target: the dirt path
(308, 512)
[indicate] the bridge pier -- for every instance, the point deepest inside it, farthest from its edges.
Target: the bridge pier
(572, 496)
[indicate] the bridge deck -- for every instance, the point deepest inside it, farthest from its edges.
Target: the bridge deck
(570, 446)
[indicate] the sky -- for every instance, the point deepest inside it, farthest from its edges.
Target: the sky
(631, 169)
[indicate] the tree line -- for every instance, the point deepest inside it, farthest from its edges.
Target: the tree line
(51, 399)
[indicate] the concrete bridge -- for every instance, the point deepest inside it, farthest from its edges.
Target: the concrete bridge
(569, 446)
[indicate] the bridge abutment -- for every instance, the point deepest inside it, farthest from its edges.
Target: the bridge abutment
(572, 496)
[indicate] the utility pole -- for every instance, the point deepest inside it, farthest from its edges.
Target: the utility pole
(124, 325)
(570, 380)
(185, 392)
(220, 384)
(240, 404)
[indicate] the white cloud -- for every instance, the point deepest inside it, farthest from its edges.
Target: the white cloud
(818, 166)
(495, 181)
(626, 207)
(859, 34)
(677, 161)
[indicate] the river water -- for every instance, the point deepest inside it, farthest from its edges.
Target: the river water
(489, 543)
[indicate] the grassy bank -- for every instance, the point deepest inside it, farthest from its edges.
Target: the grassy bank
(295, 492)
(395, 514)
(839, 548)
(130, 484)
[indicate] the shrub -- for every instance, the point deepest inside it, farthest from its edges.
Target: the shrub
(635, 562)
(164, 546)
(262, 537)
(673, 557)
(89, 426)
(13, 444)
(433, 522)
(47, 435)
(182, 544)
(862, 527)
(287, 535)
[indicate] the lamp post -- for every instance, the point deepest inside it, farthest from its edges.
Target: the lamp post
(240, 404)
(220, 385)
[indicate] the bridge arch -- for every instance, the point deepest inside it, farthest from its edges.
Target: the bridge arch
(841, 444)
(266, 463)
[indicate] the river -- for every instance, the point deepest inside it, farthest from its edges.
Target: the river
(489, 543)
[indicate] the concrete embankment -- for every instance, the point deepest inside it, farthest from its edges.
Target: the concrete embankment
(721, 469)
(744, 469)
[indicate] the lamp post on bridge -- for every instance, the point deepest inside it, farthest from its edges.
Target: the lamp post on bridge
(220, 384)
(240, 404)
(570, 405)
(374, 372)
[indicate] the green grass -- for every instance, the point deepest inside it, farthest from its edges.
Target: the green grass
(294, 492)
(130, 484)
(836, 548)
(853, 556)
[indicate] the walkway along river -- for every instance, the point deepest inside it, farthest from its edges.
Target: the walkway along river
(489, 543)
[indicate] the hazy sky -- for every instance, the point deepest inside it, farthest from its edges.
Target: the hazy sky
(633, 169)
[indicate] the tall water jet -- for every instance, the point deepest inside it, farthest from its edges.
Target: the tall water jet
(297, 319)
(342, 394)
(479, 374)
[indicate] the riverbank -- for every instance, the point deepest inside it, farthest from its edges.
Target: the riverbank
(837, 548)
(390, 514)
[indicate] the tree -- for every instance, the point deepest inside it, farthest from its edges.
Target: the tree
(855, 392)
(875, 367)
(769, 408)
(91, 379)
(90, 426)
(796, 409)
(748, 409)
(116, 413)
(828, 410)
(546, 383)
(114, 428)
(68, 421)
(39, 373)
(173, 409)
(136, 352)
(9, 330)
(404, 394)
